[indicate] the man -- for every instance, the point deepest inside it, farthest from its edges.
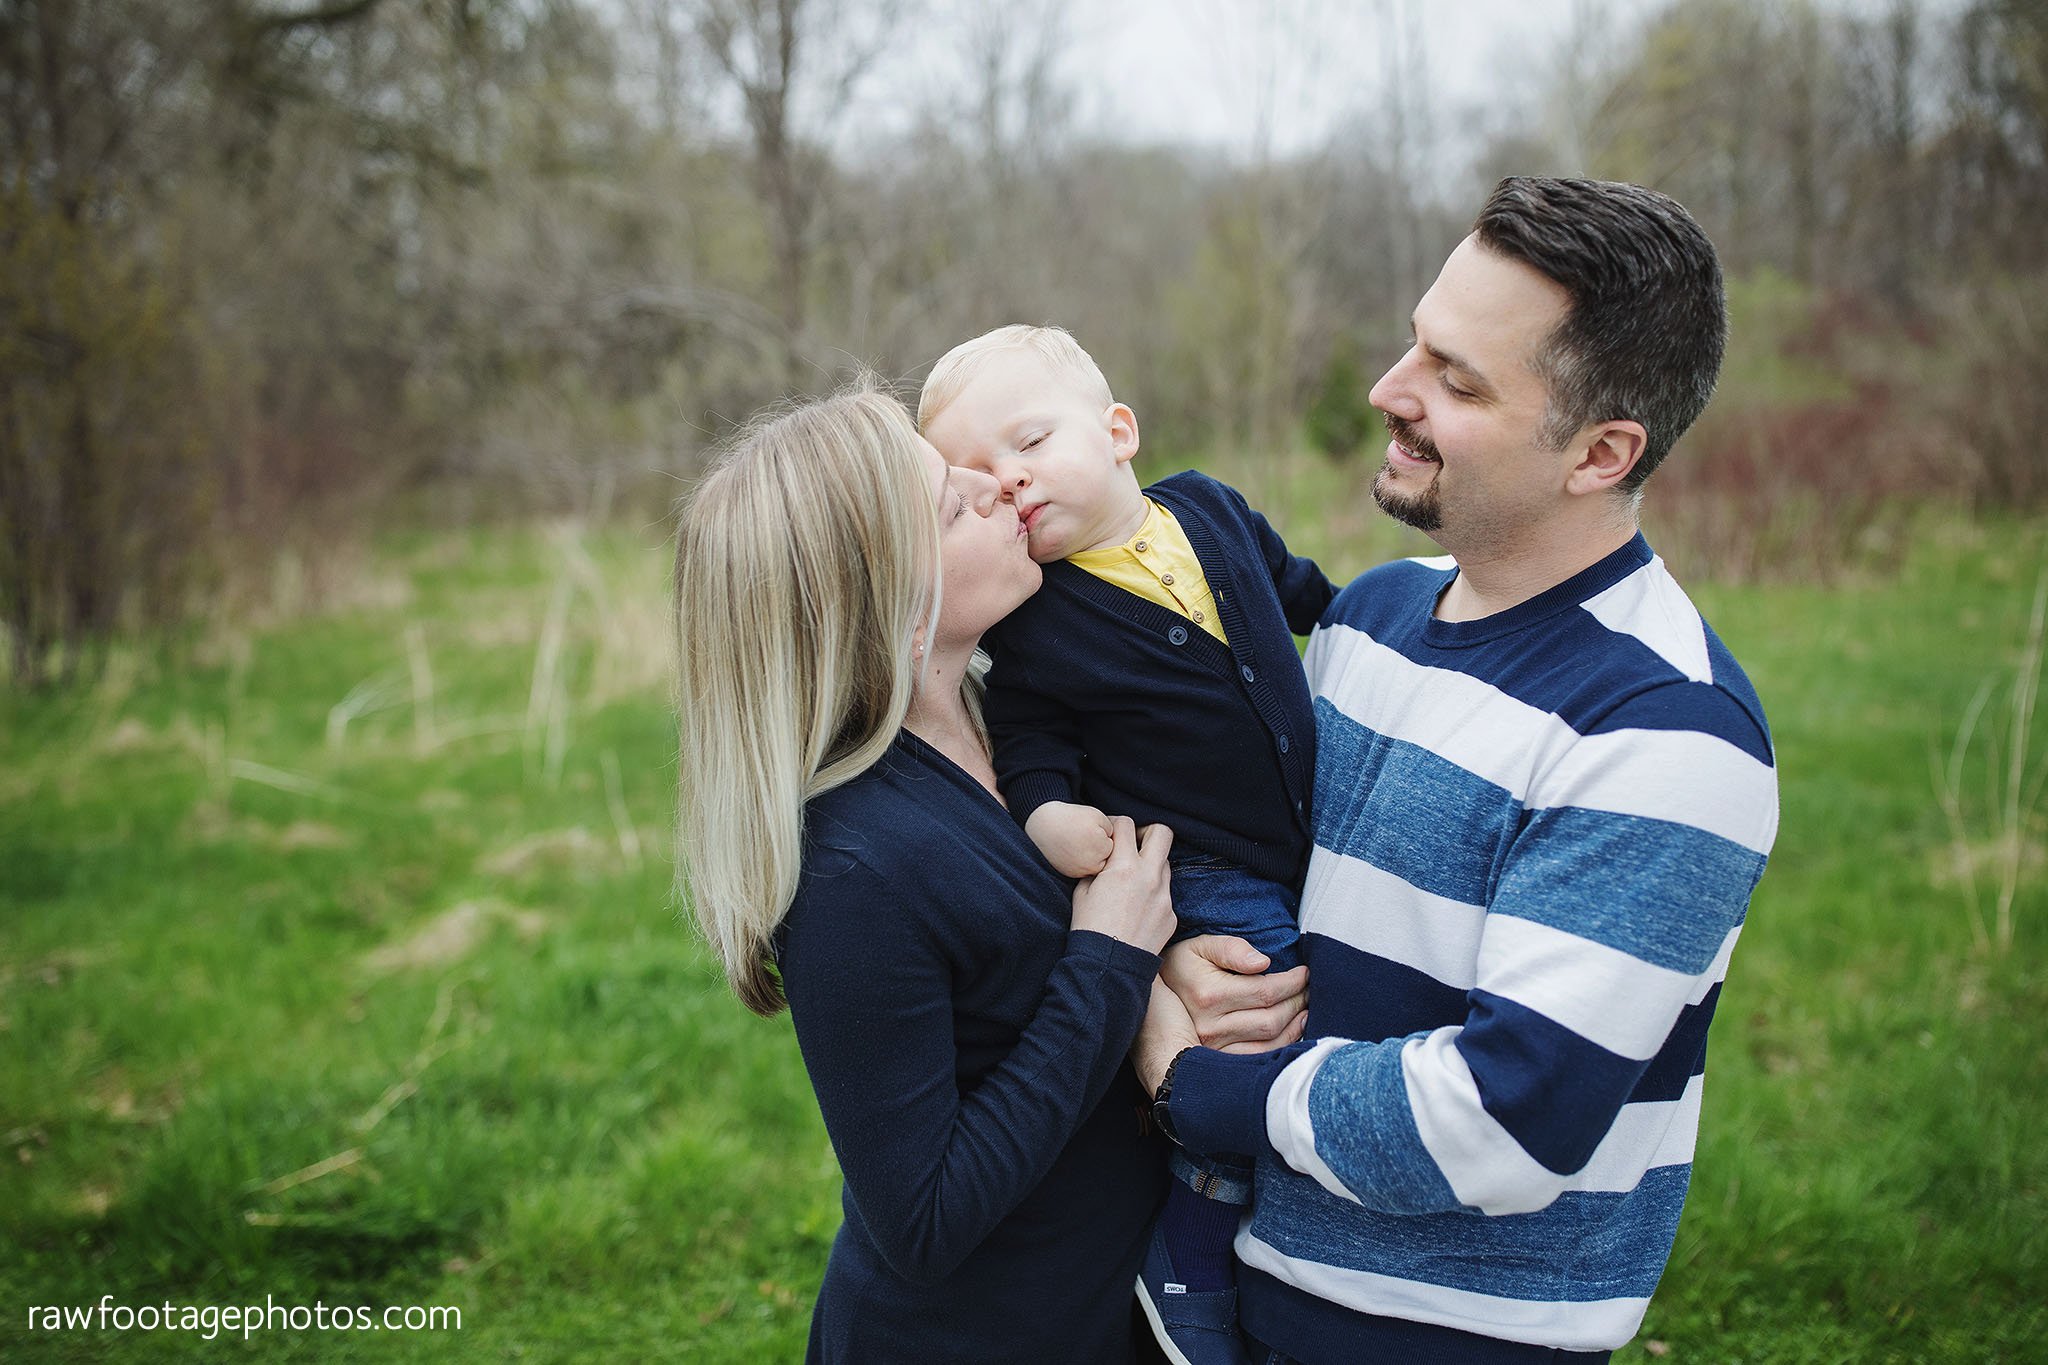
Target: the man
(1543, 796)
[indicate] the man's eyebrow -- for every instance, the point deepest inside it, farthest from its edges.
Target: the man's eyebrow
(1453, 360)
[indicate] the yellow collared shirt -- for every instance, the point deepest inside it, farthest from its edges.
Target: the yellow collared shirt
(1158, 565)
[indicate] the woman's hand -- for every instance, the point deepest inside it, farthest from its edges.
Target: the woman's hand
(1131, 899)
(1234, 1008)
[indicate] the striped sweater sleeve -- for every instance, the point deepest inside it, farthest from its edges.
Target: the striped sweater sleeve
(1616, 909)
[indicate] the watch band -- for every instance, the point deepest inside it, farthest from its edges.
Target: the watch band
(1162, 1100)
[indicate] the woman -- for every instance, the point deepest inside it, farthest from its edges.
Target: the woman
(962, 1015)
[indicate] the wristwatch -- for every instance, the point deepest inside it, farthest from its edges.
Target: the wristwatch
(1162, 1101)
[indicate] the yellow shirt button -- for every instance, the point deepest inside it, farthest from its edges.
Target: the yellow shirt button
(1198, 618)
(1167, 579)
(1143, 546)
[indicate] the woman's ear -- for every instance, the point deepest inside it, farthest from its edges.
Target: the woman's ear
(1606, 455)
(1123, 432)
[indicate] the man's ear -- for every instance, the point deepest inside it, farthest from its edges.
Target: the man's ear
(1607, 453)
(1123, 432)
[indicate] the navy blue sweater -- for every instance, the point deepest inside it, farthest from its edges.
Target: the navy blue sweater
(967, 1049)
(1102, 697)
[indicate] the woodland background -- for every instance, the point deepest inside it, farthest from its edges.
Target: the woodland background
(352, 353)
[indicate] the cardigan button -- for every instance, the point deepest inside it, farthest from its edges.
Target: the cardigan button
(1249, 676)
(1283, 744)
(1178, 635)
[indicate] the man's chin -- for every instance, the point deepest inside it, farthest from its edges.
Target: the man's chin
(1420, 510)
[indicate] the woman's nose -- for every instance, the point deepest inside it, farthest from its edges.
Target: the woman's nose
(983, 491)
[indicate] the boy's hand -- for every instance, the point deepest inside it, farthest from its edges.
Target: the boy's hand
(1074, 839)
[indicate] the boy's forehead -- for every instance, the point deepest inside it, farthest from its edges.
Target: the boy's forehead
(1016, 376)
(1009, 386)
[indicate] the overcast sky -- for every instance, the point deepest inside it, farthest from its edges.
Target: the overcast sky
(1246, 78)
(1226, 73)
(1280, 76)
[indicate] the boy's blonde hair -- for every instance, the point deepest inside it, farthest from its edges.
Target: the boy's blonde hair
(806, 560)
(1054, 345)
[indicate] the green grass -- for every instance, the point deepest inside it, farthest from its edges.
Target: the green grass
(435, 946)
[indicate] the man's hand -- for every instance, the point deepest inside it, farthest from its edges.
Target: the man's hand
(1232, 1009)
(1074, 839)
(1166, 1030)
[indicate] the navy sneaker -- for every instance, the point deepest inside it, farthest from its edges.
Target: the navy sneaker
(1193, 1328)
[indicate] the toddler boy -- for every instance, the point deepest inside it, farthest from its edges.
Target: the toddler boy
(1153, 675)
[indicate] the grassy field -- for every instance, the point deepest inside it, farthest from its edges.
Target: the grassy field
(339, 963)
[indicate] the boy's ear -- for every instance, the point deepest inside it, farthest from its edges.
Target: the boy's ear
(1606, 455)
(1123, 432)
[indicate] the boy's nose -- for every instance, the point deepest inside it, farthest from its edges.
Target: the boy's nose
(1010, 476)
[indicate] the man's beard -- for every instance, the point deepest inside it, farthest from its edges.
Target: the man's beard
(1424, 511)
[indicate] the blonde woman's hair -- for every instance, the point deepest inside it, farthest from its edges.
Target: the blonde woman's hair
(805, 562)
(1054, 345)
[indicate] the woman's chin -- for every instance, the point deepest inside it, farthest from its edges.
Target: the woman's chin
(1027, 584)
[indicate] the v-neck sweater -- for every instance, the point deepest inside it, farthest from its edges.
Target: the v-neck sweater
(967, 1050)
(1101, 697)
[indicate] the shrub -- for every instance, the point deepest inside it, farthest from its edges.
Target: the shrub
(1341, 420)
(1997, 405)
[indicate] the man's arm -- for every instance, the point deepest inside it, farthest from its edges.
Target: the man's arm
(1609, 930)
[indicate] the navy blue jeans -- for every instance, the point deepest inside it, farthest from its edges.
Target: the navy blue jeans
(1213, 896)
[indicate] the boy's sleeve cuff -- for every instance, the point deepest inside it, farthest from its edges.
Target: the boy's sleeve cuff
(1028, 791)
(1219, 1099)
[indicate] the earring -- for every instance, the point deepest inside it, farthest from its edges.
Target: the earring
(917, 650)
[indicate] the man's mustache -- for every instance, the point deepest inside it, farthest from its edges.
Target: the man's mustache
(1410, 437)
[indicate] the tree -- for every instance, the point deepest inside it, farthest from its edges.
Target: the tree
(794, 65)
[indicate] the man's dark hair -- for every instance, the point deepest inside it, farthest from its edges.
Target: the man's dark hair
(1648, 319)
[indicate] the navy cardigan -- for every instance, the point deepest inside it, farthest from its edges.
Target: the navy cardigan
(967, 1049)
(1102, 697)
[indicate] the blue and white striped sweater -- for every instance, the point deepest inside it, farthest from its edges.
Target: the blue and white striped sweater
(1536, 837)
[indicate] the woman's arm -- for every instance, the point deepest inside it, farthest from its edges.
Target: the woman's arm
(932, 1169)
